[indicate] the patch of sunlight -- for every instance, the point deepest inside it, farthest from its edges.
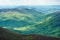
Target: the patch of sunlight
(23, 18)
(39, 22)
(24, 28)
(4, 27)
(49, 18)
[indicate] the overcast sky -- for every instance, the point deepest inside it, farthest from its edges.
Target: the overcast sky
(28, 2)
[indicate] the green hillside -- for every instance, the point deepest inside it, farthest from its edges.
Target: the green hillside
(29, 21)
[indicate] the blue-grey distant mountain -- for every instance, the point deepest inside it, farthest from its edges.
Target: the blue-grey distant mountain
(42, 8)
(48, 8)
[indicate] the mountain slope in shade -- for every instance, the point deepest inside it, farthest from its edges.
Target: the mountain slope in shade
(51, 25)
(5, 34)
(48, 9)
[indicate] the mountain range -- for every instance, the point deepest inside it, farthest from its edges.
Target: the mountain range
(29, 21)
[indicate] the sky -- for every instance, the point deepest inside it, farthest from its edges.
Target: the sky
(28, 2)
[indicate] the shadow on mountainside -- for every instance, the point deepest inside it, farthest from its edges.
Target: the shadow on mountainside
(6, 34)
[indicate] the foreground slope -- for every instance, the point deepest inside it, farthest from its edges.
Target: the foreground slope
(6, 34)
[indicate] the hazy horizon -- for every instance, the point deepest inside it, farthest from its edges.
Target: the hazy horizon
(28, 6)
(17, 3)
(28, 2)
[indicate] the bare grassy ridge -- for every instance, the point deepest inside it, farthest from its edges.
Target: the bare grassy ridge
(5, 34)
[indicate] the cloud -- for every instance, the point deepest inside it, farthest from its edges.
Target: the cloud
(28, 2)
(57, 0)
